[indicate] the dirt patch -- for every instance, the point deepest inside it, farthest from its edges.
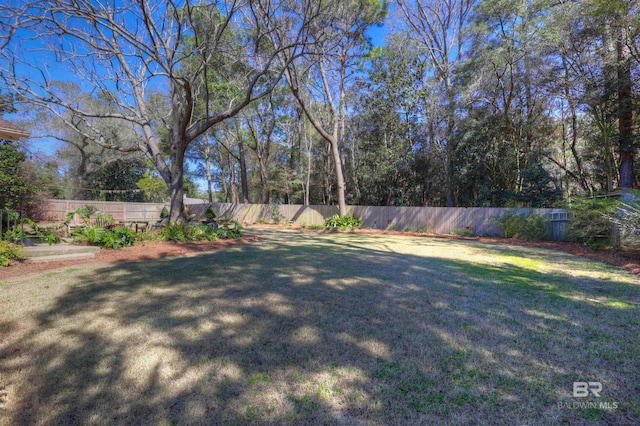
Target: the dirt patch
(148, 250)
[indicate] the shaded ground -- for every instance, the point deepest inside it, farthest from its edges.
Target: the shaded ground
(146, 251)
(323, 329)
(627, 259)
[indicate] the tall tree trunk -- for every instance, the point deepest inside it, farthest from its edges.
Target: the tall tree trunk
(176, 186)
(625, 111)
(209, 180)
(574, 130)
(207, 161)
(244, 181)
(340, 184)
(232, 181)
(307, 183)
(609, 56)
(177, 148)
(225, 186)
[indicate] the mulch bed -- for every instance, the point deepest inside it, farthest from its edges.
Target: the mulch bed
(148, 250)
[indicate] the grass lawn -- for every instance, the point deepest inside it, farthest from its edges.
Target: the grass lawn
(307, 328)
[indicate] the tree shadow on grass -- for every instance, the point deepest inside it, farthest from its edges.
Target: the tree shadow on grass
(321, 330)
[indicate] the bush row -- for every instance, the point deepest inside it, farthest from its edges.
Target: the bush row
(115, 238)
(186, 233)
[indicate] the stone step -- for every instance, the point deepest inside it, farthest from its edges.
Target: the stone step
(60, 257)
(49, 253)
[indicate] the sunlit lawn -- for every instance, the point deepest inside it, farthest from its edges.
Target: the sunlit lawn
(309, 328)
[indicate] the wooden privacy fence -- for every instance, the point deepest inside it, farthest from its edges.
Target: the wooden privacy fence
(120, 211)
(439, 220)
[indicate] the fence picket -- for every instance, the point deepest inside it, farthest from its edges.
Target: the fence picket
(439, 220)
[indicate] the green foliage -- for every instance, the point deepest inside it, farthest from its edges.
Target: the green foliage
(276, 215)
(538, 189)
(52, 238)
(119, 237)
(7, 103)
(211, 213)
(164, 213)
(177, 232)
(16, 229)
(85, 213)
(8, 252)
(15, 189)
(202, 233)
(462, 232)
(627, 219)
(231, 232)
(530, 227)
(121, 176)
(535, 227)
(510, 224)
(342, 223)
(153, 187)
(590, 224)
(91, 235)
(116, 238)
(105, 219)
(185, 233)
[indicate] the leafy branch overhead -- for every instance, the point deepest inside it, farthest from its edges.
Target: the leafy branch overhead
(130, 51)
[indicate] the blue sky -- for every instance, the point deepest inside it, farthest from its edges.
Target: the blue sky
(48, 146)
(41, 59)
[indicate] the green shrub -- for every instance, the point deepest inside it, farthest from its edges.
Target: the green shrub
(510, 224)
(91, 235)
(119, 237)
(105, 219)
(84, 212)
(116, 238)
(534, 228)
(211, 213)
(276, 215)
(164, 213)
(52, 238)
(178, 232)
(198, 233)
(590, 223)
(343, 223)
(26, 228)
(463, 232)
(8, 252)
(530, 227)
(231, 232)
(185, 233)
(14, 235)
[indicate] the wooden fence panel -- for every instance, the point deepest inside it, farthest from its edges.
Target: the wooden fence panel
(440, 220)
(120, 211)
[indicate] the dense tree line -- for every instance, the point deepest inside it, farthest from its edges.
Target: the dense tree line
(488, 103)
(468, 103)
